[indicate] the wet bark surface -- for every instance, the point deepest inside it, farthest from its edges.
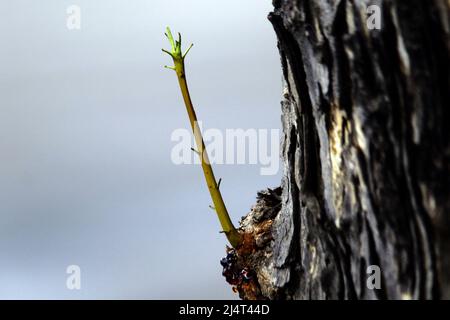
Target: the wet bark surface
(366, 153)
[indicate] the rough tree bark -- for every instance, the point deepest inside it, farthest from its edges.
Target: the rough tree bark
(366, 154)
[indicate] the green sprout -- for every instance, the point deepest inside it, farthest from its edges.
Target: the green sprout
(234, 237)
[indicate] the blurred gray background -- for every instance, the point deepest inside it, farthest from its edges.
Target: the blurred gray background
(86, 117)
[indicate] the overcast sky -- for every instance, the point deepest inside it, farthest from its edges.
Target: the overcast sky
(86, 117)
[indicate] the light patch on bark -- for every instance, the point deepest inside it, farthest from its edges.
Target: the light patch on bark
(360, 136)
(350, 19)
(336, 150)
(404, 57)
(406, 296)
(415, 127)
(429, 201)
(313, 270)
(405, 65)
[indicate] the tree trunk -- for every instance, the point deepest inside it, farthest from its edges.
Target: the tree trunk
(366, 155)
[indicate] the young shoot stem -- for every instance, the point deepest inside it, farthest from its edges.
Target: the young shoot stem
(234, 237)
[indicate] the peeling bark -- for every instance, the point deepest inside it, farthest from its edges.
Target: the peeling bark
(366, 155)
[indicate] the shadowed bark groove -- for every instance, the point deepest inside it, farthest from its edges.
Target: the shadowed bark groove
(366, 152)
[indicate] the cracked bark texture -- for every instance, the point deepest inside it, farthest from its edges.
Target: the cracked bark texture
(366, 152)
